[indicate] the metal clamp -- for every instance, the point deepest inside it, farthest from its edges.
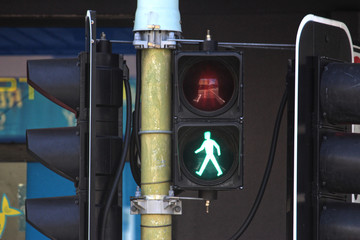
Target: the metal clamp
(154, 132)
(155, 39)
(155, 205)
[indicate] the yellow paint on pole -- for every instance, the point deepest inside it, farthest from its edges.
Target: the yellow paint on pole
(156, 227)
(155, 147)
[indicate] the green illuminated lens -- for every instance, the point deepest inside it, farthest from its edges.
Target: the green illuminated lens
(208, 145)
(208, 153)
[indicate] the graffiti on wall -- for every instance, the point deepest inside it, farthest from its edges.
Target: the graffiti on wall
(23, 108)
(7, 211)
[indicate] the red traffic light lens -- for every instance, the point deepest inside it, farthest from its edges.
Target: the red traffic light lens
(208, 85)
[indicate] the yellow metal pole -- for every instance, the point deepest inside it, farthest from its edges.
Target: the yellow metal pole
(155, 138)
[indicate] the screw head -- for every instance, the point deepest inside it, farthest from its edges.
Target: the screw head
(177, 209)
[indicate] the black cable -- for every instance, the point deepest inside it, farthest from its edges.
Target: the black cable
(135, 147)
(265, 179)
(120, 169)
(133, 156)
(137, 101)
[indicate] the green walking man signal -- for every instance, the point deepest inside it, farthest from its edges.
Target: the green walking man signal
(209, 145)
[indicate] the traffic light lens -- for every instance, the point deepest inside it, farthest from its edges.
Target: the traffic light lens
(209, 153)
(208, 85)
(208, 146)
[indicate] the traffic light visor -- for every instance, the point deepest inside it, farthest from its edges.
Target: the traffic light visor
(56, 148)
(56, 79)
(56, 217)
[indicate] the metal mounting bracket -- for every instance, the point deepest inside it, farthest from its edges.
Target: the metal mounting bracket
(156, 205)
(155, 39)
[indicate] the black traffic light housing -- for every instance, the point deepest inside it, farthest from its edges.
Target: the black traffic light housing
(63, 150)
(208, 108)
(90, 86)
(337, 152)
(326, 152)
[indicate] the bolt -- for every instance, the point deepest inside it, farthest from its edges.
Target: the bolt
(103, 36)
(208, 36)
(171, 191)
(133, 209)
(177, 209)
(207, 205)
(138, 192)
(137, 36)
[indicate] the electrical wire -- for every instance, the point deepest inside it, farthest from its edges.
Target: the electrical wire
(120, 168)
(267, 46)
(134, 156)
(137, 101)
(135, 151)
(265, 179)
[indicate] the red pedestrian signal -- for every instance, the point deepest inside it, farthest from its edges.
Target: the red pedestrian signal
(208, 85)
(208, 120)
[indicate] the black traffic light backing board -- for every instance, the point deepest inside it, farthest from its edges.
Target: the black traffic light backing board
(107, 71)
(87, 154)
(317, 37)
(224, 123)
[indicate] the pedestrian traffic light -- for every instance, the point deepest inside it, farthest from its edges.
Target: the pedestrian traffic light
(326, 152)
(91, 87)
(208, 120)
